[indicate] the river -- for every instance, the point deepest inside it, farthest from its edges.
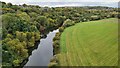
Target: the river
(42, 55)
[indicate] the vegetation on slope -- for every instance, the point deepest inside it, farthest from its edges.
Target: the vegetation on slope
(22, 26)
(92, 43)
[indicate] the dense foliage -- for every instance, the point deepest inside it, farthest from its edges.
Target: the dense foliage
(23, 24)
(19, 34)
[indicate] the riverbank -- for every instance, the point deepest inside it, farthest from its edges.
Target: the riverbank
(56, 42)
(33, 48)
(56, 45)
(89, 44)
(30, 52)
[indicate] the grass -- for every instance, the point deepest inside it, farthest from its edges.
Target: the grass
(93, 43)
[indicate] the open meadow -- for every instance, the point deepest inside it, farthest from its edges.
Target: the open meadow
(93, 43)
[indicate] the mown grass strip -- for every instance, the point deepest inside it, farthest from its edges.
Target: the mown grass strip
(93, 43)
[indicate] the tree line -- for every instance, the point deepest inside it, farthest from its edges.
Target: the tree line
(22, 26)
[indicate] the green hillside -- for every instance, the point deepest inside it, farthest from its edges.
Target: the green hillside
(93, 43)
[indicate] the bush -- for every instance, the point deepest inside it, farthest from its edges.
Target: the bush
(30, 44)
(54, 62)
(56, 44)
(95, 17)
(57, 36)
(52, 65)
(68, 23)
(61, 29)
(37, 36)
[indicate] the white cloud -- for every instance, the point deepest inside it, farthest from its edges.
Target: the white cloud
(36, 2)
(90, 0)
(24, 1)
(67, 5)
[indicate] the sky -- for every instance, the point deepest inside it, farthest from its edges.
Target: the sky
(59, 3)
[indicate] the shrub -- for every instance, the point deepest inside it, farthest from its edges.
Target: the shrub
(61, 29)
(68, 23)
(56, 38)
(95, 17)
(56, 44)
(52, 65)
(30, 44)
(58, 34)
(37, 36)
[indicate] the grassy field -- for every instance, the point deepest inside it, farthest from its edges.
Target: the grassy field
(93, 43)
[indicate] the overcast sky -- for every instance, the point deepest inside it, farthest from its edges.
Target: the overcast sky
(58, 3)
(20, 1)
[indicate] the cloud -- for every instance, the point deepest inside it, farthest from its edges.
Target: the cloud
(90, 0)
(62, 3)
(23, 1)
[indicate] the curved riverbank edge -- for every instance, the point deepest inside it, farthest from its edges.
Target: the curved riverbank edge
(56, 45)
(43, 35)
(30, 53)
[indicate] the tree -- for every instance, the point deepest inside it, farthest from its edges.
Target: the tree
(57, 36)
(56, 44)
(61, 19)
(6, 40)
(24, 16)
(4, 32)
(24, 5)
(33, 28)
(7, 20)
(24, 53)
(37, 36)
(19, 48)
(68, 22)
(6, 56)
(24, 44)
(95, 17)
(21, 36)
(32, 39)
(9, 5)
(9, 36)
(42, 20)
(30, 44)
(18, 35)
(16, 62)
(50, 23)
(13, 23)
(33, 16)
(15, 7)
(29, 35)
(61, 29)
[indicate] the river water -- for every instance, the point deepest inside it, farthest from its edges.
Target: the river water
(42, 55)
